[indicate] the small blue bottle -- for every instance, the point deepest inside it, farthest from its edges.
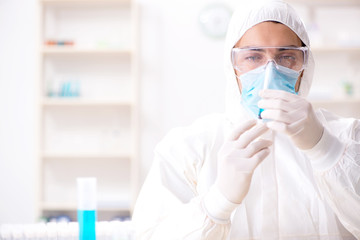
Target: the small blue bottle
(86, 208)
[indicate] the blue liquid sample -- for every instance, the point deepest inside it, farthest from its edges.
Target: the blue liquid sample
(87, 220)
(260, 111)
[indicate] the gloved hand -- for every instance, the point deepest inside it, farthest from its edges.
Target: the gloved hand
(238, 158)
(292, 115)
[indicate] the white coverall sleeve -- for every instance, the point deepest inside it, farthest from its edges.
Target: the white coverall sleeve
(336, 163)
(169, 206)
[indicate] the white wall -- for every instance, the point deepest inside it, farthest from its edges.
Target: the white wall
(182, 70)
(17, 78)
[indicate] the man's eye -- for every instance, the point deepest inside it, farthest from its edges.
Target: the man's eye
(289, 57)
(253, 58)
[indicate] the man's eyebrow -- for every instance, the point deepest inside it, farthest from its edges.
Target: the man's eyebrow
(284, 47)
(253, 48)
(258, 48)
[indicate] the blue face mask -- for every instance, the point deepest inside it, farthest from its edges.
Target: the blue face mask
(265, 77)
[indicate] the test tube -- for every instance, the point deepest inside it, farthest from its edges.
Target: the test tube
(87, 208)
(268, 72)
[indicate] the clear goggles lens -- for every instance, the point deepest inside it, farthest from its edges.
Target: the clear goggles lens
(247, 59)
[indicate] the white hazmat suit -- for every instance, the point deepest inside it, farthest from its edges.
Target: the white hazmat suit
(294, 194)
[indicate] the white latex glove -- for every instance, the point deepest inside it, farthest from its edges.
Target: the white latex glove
(238, 158)
(292, 115)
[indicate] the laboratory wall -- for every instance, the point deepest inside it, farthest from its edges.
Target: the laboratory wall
(182, 74)
(181, 78)
(18, 34)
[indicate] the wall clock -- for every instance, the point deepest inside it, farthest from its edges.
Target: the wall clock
(214, 20)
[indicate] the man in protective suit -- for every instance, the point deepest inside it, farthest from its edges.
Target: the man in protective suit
(270, 167)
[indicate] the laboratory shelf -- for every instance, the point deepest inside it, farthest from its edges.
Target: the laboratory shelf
(127, 2)
(87, 104)
(70, 50)
(325, 49)
(336, 101)
(47, 206)
(78, 102)
(324, 3)
(345, 107)
(107, 155)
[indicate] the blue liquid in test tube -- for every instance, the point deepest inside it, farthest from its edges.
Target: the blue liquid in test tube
(87, 220)
(268, 73)
(87, 208)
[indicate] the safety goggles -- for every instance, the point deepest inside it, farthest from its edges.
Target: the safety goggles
(247, 59)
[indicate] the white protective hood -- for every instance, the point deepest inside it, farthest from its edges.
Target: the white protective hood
(246, 16)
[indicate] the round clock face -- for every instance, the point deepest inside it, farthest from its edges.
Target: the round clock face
(214, 20)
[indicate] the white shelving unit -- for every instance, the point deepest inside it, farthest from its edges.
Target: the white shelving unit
(88, 105)
(334, 56)
(77, 51)
(336, 49)
(344, 105)
(335, 3)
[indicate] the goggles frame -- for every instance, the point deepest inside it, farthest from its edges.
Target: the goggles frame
(304, 49)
